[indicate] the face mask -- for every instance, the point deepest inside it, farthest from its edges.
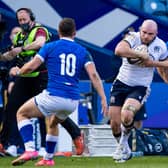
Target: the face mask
(25, 27)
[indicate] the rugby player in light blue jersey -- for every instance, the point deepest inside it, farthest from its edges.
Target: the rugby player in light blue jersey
(65, 59)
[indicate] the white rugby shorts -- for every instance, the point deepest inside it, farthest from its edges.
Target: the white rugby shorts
(61, 107)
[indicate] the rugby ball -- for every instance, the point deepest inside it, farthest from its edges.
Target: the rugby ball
(134, 60)
(141, 48)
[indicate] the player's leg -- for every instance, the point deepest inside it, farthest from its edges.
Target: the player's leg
(128, 111)
(60, 108)
(51, 141)
(75, 133)
(116, 101)
(132, 104)
(42, 125)
(139, 117)
(25, 112)
(115, 123)
(16, 98)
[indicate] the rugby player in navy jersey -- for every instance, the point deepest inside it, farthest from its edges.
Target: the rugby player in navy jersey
(65, 60)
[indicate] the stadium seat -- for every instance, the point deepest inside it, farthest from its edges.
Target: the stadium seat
(155, 7)
(130, 4)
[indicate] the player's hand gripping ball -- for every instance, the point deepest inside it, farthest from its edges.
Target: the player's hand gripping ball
(141, 48)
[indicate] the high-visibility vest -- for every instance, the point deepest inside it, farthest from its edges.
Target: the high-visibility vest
(23, 40)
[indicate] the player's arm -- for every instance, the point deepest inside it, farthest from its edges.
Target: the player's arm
(158, 64)
(31, 65)
(97, 84)
(28, 67)
(123, 49)
(162, 68)
(163, 72)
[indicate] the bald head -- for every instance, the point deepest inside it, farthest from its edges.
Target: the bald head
(148, 31)
(150, 25)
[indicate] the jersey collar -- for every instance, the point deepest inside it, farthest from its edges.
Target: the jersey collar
(66, 38)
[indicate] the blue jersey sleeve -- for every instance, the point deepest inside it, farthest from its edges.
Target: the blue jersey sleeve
(88, 57)
(43, 52)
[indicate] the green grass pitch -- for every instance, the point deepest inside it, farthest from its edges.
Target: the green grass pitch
(96, 162)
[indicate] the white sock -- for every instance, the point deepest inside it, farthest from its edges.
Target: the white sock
(124, 135)
(30, 146)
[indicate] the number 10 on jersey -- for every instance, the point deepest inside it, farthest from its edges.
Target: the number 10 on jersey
(68, 64)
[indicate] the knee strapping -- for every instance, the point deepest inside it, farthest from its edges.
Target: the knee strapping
(130, 107)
